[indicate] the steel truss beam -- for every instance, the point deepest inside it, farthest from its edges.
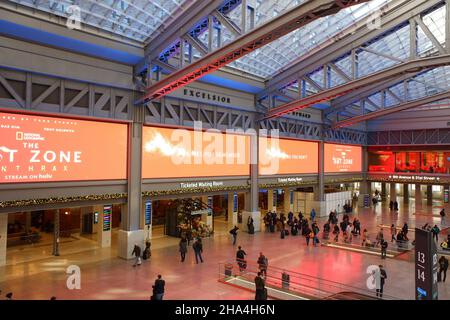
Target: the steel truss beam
(409, 137)
(398, 12)
(33, 92)
(254, 39)
(341, 103)
(397, 108)
(413, 66)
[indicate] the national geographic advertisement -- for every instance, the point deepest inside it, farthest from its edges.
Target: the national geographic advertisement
(181, 153)
(286, 156)
(340, 158)
(46, 149)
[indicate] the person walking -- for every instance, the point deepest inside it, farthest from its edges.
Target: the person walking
(443, 266)
(364, 237)
(380, 237)
(442, 214)
(384, 246)
(393, 232)
(309, 235)
(240, 259)
(315, 231)
(158, 288)
(260, 286)
(435, 231)
(137, 254)
(183, 248)
(312, 215)
(405, 231)
(198, 249)
(263, 263)
(336, 233)
(395, 206)
(380, 281)
(391, 205)
(233, 232)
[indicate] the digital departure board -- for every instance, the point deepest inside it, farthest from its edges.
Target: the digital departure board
(107, 211)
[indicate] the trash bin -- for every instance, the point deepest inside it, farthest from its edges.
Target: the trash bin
(228, 269)
(285, 279)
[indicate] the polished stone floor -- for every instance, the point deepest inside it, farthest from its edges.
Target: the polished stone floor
(31, 273)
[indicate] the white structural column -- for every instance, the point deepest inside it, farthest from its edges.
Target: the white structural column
(319, 189)
(429, 195)
(287, 201)
(232, 213)
(206, 218)
(269, 199)
(132, 232)
(3, 237)
(251, 198)
(405, 193)
(392, 192)
(418, 196)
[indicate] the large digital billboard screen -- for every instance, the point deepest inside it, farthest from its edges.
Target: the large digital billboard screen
(342, 158)
(181, 153)
(48, 149)
(286, 156)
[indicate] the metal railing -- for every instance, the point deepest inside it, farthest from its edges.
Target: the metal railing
(299, 287)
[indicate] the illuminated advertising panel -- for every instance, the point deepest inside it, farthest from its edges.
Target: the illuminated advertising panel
(181, 153)
(47, 149)
(285, 156)
(342, 158)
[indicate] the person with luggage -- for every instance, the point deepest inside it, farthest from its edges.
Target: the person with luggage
(183, 248)
(315, 231)
(326, 230)
(294, 227)
(384, 246)
(290, 218)
(263, 264)
(147, 252)
(336, 233)
(260, 286)
(198, 250)
(233, 233)
(137, 254)
(240, 259)
(443, 266)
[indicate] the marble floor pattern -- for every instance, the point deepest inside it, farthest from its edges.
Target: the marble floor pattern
(32, 273)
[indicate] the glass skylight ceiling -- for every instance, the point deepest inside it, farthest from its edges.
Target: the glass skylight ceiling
(133, 19)
(266, 61)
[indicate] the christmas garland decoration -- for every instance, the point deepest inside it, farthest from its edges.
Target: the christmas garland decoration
(54, 200)
(193, 190)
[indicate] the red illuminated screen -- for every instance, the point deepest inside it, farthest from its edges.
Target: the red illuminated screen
(410, 161)
(44, 149)
(286, 156)
(181, 153)
(342, 158)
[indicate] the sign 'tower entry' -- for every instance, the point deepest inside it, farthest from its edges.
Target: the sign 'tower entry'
(47, 149)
